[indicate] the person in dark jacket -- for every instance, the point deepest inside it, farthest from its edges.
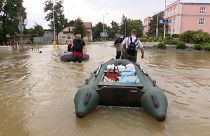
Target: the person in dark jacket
(78, 45)
(117, 44)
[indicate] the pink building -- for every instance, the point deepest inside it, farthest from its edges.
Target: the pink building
(188, 16)
(146, 25)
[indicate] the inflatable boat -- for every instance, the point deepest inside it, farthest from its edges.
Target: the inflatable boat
(68, 57)
(120, 82)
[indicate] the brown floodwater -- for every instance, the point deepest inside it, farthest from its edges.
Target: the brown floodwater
(37, 92)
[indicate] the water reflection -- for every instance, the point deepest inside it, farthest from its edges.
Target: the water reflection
(37, 93)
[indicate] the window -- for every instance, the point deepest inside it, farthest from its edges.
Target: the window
(63, 37)
(202, 10)
(200, 30)
(201, 21)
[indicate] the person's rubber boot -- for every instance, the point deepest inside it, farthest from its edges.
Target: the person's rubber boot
(79, 60)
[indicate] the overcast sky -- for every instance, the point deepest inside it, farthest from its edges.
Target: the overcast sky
(93, 10)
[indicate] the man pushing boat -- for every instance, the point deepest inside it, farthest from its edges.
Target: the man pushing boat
(129, 47)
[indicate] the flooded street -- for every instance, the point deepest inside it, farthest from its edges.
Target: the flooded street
(37, 95)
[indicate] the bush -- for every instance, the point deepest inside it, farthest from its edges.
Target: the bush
(150, 39)
(161, 45)
(206, 46)
(160, 39)
(181, 45)
(201, 37)
(175, 35)
(171, 41)
(143, 39)
(187, 36)
(198, 47)
(155, 39)
(194, 37)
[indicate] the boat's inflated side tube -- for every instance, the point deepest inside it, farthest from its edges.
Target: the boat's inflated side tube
(155, 103)
(67, 57)
(86, 100)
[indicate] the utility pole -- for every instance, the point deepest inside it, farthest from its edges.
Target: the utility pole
(157, 26)
(164, 21)
(54, 41)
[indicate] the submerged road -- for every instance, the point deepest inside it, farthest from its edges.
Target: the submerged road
(37, 92)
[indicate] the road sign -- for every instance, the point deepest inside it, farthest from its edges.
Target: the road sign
(164, 21)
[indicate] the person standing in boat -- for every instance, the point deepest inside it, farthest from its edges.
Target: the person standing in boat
(130, 45)
(78, 45)
(117, 45)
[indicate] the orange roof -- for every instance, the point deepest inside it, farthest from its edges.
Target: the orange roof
(87, 25)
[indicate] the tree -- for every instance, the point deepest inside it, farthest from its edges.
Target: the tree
(153, 25)
(135, 24)
(115, 29)
(60, 20)
(97, 30)
(10, 13)
(38, 29)
(128, 24)
(79, 27)
(123, 26)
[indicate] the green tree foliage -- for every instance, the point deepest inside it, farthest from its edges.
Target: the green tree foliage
(38, 29)
(123, 27)
(153, 25)
(60, 20)
(79, 27)
(97, 30)
(128, 24)
(135, 24)
(10, 13)
(114, 29)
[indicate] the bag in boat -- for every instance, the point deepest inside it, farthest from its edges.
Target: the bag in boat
(113, 74)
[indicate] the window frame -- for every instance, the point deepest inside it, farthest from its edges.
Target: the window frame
(201, 21)
(202, 10)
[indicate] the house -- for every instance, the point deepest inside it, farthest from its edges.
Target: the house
(67, 32)
(184, 16)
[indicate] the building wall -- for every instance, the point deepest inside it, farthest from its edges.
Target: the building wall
(185, 16)
(146, 25)
(173, 14)
(191, 16)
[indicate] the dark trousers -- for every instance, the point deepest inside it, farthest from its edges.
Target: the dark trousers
(118, 54)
